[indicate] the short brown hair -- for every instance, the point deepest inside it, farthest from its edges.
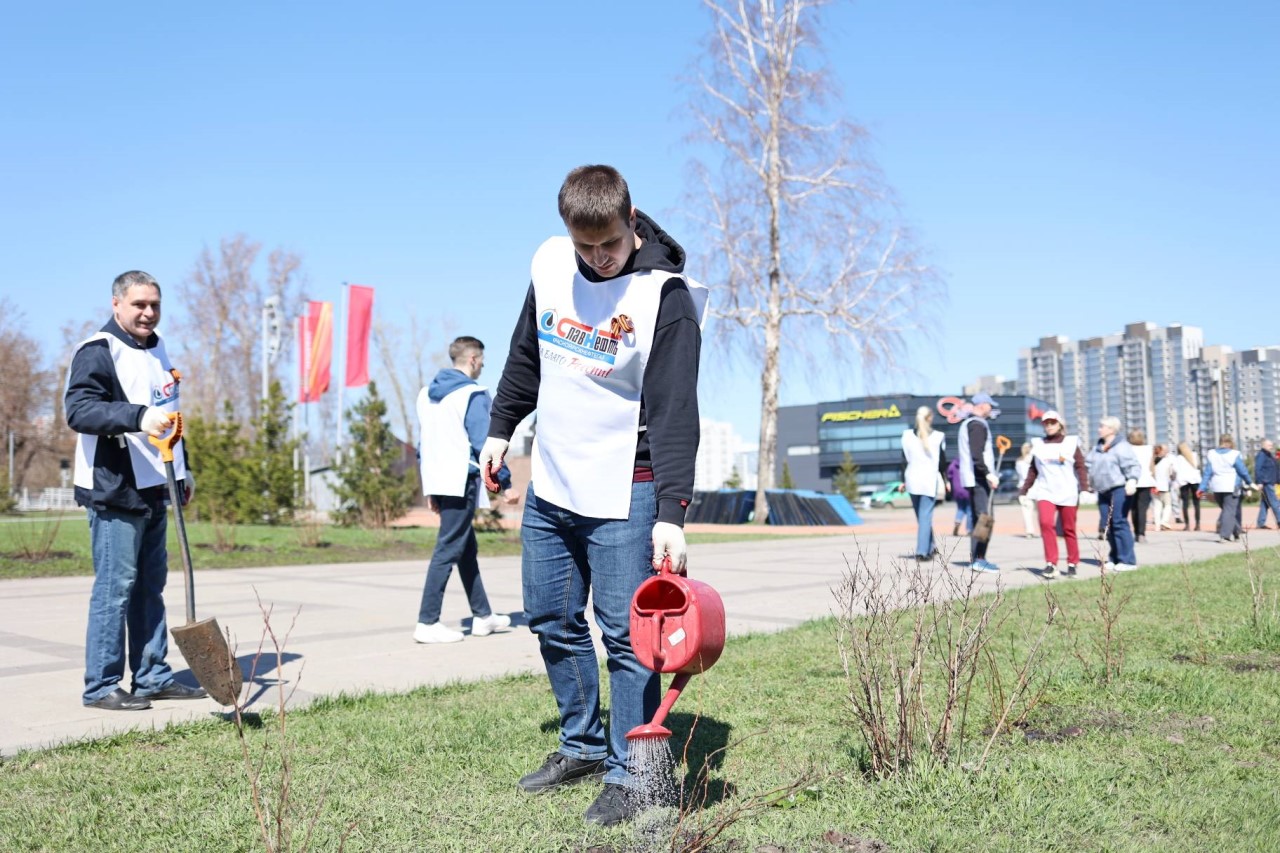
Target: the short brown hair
(464, 345)
(593, 197)
(1226, 440)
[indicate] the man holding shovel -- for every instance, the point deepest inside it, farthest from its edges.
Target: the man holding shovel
(978, 468)
(121, 385)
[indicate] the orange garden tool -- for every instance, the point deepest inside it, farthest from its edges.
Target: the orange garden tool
(202, 643)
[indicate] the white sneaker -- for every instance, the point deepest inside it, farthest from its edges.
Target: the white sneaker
(436, 632)
(483, 626)
(1125, 567)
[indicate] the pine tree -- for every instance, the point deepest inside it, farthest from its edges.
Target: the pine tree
(270, 458)
(735, 479)
(787, 482)
(372, 489)
(216, 453)
(845, 481)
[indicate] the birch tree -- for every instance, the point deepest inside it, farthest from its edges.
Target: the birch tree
(220, 337)
(802, 242)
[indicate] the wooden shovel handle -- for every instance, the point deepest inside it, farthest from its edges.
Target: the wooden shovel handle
(166, 442)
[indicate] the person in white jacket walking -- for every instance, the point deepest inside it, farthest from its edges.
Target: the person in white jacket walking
(925, 477)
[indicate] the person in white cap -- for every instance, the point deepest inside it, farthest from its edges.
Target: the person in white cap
(1055, 480)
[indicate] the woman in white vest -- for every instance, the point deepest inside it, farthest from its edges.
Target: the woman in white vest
(1186, 478)
(1054, 481)
(1141, 502)
(1225, 477)
(925, 477)
(1162, 462)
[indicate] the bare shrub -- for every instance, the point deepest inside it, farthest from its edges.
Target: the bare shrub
(35, 536)
(280, 818)
(1264, 606)
(901, 634)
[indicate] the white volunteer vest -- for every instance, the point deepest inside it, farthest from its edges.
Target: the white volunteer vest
(1055, 471)
(591, 381)
(1145, 453)
(921, 476)
(1222, 470)
(443, 443)
(966, 452)
(145, 377)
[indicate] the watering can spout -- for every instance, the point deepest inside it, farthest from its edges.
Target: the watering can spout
(655, 729)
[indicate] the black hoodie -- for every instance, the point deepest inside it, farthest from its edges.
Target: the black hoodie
(669, 399)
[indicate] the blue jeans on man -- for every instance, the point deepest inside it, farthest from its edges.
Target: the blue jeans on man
(1268, 500)
(1115, 503)
(567, 556)
(126, 607)
(455, 545)
(923, 506)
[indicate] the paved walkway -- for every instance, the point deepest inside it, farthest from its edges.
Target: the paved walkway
(352, 623)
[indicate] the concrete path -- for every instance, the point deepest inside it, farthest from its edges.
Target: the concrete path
(352, 624)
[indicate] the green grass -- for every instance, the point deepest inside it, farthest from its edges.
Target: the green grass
(67, 540)
(1173, 755)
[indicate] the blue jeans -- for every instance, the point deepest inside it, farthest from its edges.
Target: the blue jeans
(130, 565)
(1268, 500)
(455, 544)
(567, 556)
(923, 505)
(1115, 503)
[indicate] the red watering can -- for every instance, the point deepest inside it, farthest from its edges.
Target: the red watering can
(677, 625)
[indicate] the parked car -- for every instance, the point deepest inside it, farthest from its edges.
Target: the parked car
(891, 494)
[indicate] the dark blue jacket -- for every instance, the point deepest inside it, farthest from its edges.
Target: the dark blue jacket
(1265, 469)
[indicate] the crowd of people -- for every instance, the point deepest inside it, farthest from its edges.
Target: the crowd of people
(1132, 481)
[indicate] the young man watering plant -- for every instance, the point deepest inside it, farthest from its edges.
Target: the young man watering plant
(606, 350)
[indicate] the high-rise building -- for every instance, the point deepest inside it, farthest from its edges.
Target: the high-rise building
(718, 451)
(1146, 376)
(1162, 379)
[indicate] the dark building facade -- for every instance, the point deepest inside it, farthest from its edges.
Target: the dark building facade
(813, 439)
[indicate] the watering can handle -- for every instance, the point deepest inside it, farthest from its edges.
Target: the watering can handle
(664, 568)
(165, 443)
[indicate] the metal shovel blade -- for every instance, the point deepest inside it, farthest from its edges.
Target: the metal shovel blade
(204, 647)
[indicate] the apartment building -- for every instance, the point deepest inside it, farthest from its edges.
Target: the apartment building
(1164, 380)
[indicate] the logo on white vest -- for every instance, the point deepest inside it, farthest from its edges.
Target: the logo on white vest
(577, 340)
(166, 393)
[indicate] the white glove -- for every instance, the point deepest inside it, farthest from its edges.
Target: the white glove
(491, 456)
(993, 481)
(190, 489)
(1130, 487)
(155, 422)
(668, 540)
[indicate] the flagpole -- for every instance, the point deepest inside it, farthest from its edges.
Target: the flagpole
(340, 374)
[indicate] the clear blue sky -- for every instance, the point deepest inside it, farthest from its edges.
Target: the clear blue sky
(1071, 167)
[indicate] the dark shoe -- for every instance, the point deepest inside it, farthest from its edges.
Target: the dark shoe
(1049, 570)
(559, 769)
(1071, 568)
(175, 690)
(955, 531)
(616, 804)
(118, 700)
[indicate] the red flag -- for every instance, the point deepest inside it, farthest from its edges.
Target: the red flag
(316, 351)
(359, 324)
